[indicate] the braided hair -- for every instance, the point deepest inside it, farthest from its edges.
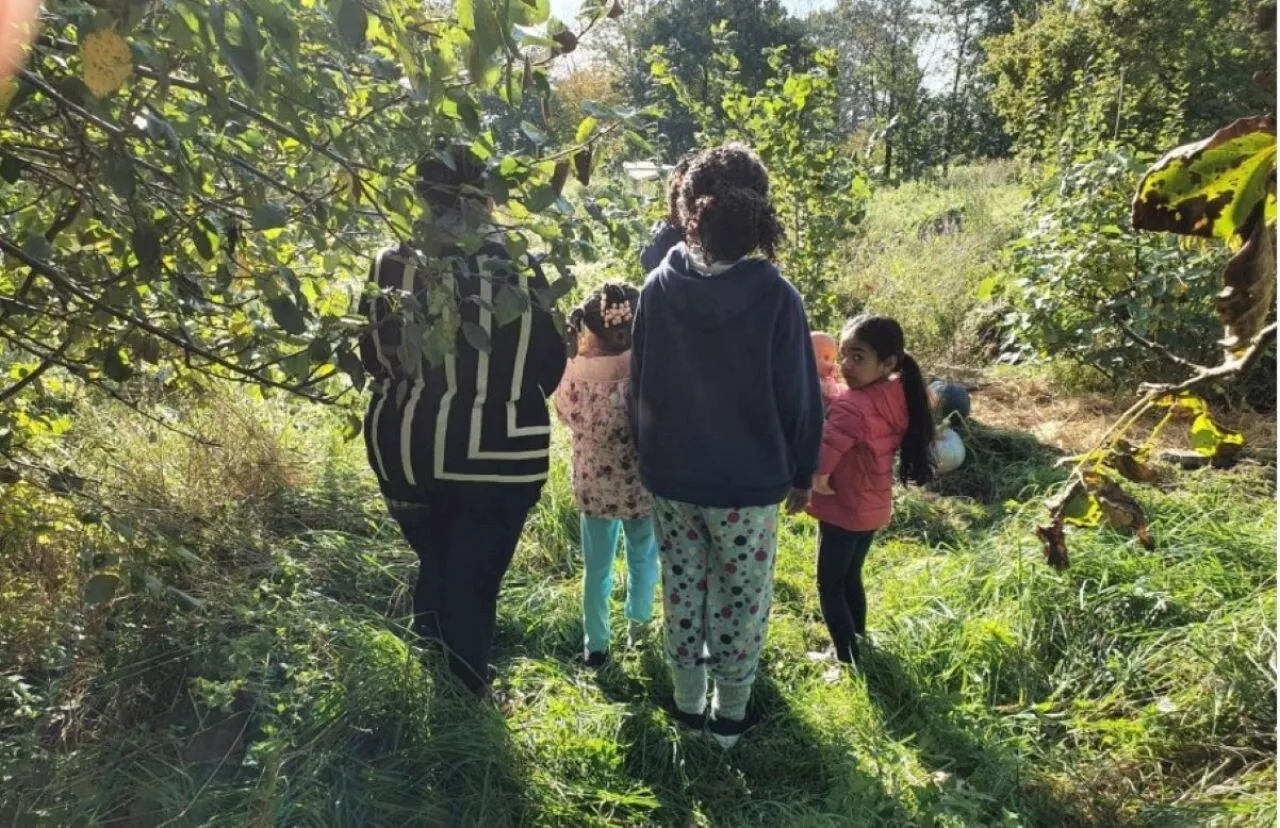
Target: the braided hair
(724, 204)
(607, 313)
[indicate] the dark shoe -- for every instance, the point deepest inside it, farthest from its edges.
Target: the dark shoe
(693, 721)
(594, 660)
(727, 732)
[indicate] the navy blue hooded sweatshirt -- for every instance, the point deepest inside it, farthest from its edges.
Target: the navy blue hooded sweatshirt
(727, 402)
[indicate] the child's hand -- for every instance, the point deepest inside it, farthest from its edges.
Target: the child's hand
(822, 484)
(797, 501)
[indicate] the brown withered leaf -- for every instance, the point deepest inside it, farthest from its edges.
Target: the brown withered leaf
(1055, 545)
(1249, 283)
(1122, 511)
(560, 176)
(582, 166)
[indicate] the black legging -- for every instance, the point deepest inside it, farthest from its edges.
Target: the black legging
(841, 554)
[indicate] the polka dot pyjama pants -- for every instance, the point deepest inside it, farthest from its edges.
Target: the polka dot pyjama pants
(717, 579)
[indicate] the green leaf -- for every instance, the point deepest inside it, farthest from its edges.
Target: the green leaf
(146, 246)
(115, 365)
(585, 128)
(200, 238)
(37, 247)
(287, 315)
(269, 215)
(353, 23)
(476, 337)
(101, 588)
(1211, 441)
(11, 168)
(528, 12)
(298, 366)
(534, 134)
(509, 304)
(1212, 187)
(120, 176)
(353, 368)
(540, 198)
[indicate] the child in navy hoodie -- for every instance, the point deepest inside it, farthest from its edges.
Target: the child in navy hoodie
(728, 413)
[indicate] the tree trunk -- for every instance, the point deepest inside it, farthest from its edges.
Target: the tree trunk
(949, 135)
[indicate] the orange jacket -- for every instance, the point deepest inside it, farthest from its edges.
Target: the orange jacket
(864, 430)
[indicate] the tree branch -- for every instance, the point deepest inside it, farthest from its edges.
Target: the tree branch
(61, 281)
(1229, 368)
(1156, 347)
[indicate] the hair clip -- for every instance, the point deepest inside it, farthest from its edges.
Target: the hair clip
(614, 315)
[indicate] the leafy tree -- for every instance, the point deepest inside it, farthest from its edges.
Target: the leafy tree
(972, 126)
(684, 29)
(820, 190)
(195, 190)
(1085, 285)
(881, 96)
(1169, 69)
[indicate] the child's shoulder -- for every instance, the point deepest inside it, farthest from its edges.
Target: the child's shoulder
(601, 367)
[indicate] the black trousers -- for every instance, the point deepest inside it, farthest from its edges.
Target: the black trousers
(465, 535)
(841, 554)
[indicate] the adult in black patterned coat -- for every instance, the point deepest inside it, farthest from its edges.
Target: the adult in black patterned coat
(459, 441)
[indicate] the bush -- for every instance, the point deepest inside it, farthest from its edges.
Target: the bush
(1082, 275)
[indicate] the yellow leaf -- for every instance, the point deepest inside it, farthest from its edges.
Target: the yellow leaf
(106, 62)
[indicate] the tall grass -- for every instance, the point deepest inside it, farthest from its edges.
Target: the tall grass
(253, 669)
(924, 250)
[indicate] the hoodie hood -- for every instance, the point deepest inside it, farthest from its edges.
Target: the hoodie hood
(717, 299)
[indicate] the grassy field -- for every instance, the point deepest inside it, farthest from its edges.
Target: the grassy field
(249, 667)
(255, 674)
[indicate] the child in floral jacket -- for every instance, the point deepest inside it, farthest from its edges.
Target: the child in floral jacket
(592, 401)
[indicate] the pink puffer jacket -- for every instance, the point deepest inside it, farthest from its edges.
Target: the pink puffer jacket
(864, 430)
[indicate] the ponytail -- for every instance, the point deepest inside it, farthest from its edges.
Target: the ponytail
(916, 462)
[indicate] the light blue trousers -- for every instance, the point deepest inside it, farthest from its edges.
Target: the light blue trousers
(599, 546)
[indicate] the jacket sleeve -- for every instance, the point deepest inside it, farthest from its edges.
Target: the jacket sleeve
(547, 352)
(843, 431)
(797, 391)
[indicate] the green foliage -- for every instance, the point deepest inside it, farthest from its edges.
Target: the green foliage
(1154, 74)
(819, 189)
(685, 31)
(1081, 275)
(197, 191)
(1224, 187)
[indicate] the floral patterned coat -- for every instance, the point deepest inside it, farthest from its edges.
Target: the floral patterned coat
(592, 401)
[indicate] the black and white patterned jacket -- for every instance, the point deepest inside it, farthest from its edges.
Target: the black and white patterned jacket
(478, 417)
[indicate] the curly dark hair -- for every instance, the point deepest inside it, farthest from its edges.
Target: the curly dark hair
(441, 184)
(673, 188)
(725, 207)
(614, 331)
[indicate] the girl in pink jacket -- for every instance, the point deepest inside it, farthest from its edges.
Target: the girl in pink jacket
(592, 401)
(884, 412)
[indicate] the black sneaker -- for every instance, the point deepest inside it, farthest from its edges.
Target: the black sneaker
(594, 660)
(727, 732)
(693, 721)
